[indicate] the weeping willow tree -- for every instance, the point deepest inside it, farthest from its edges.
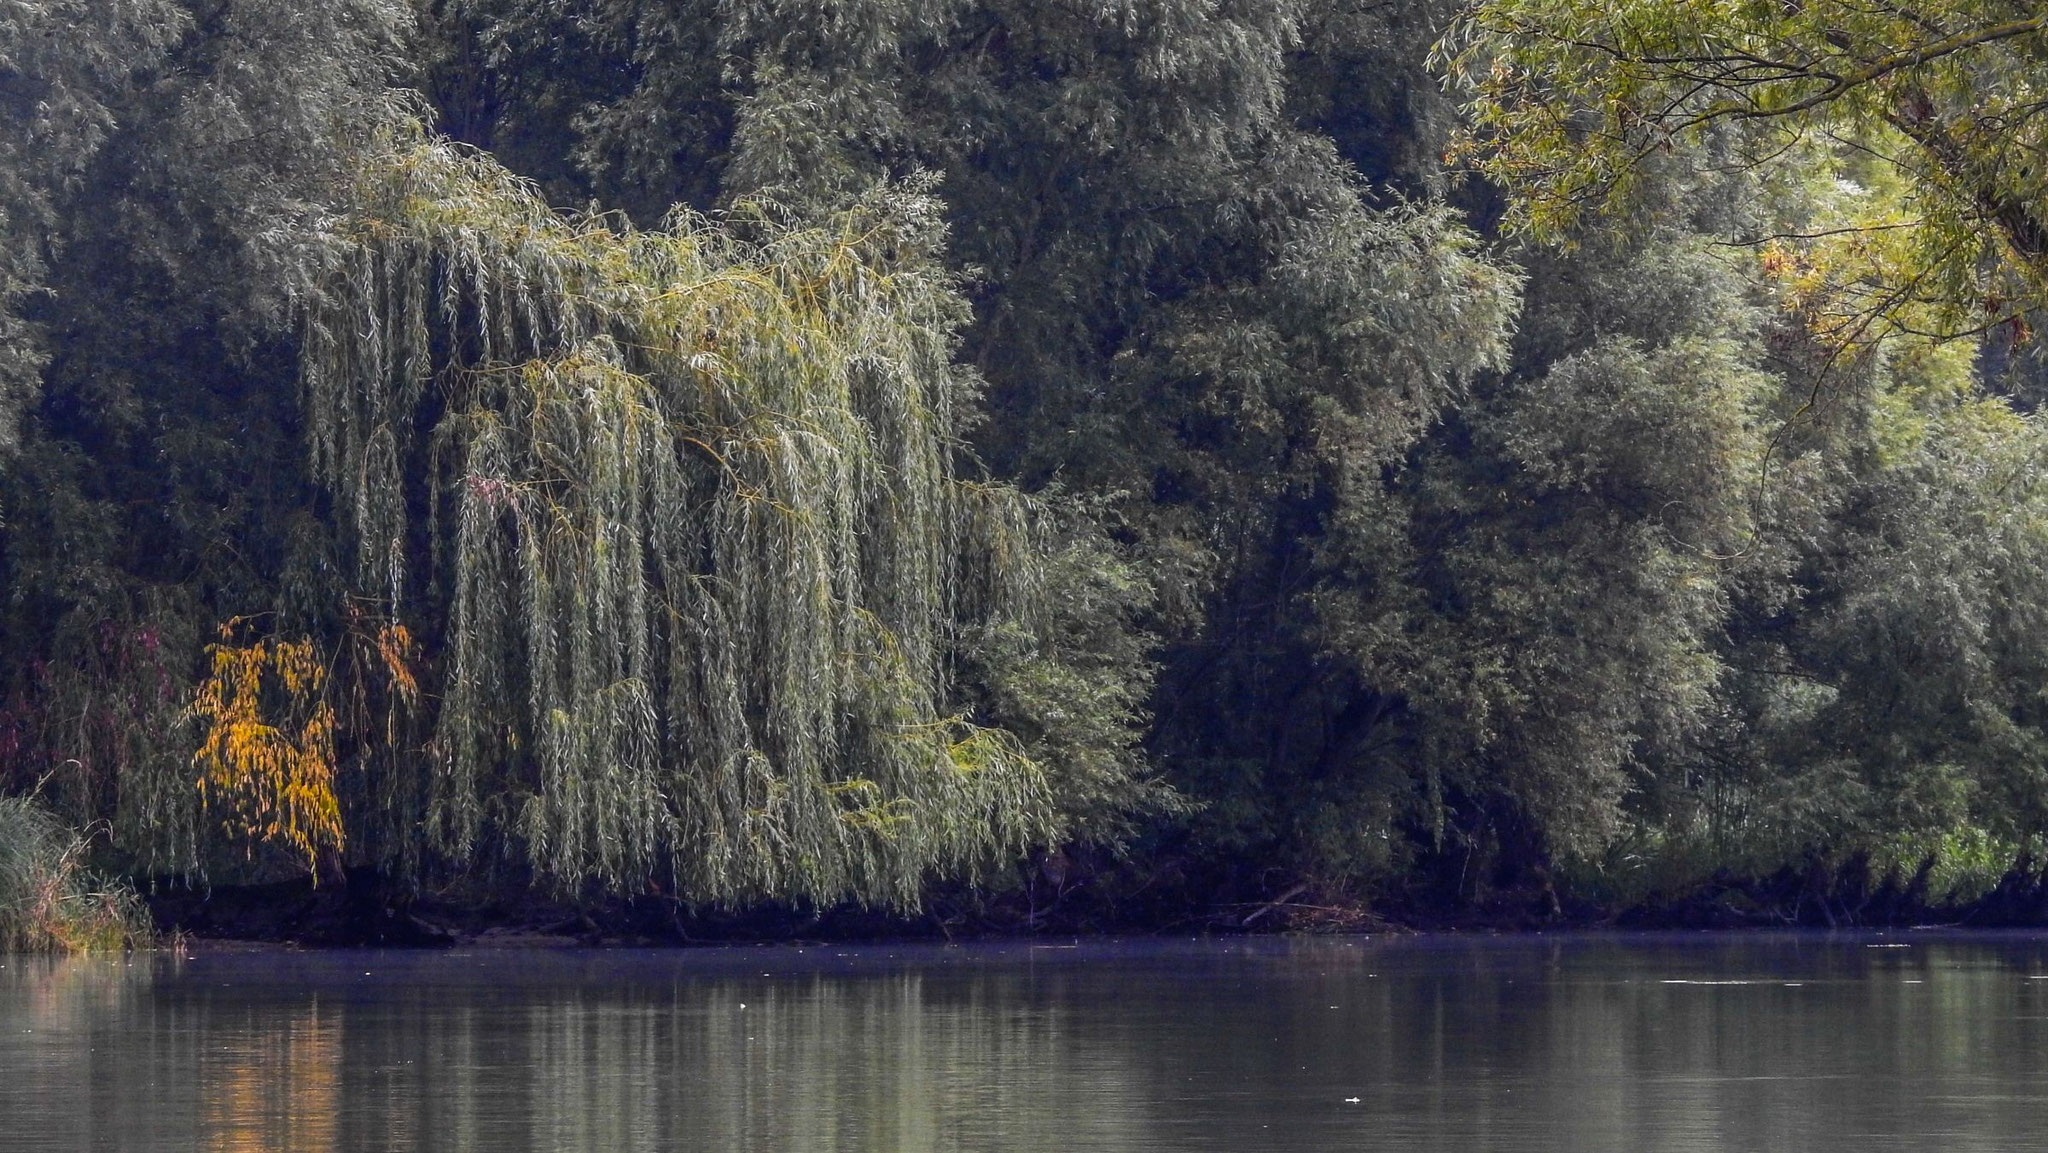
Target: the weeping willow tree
(685, 518)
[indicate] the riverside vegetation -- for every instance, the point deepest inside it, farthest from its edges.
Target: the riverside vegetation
(1097, 464)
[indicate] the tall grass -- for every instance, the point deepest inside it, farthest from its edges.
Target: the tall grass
(49, 900)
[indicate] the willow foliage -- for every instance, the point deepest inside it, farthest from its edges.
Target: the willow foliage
(163, 166)
(269, 771)
(698, 528)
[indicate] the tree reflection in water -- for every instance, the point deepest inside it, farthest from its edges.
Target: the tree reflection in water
(1451, 1044)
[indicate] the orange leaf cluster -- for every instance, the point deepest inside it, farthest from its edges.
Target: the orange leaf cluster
(400, 652)
(266, 760)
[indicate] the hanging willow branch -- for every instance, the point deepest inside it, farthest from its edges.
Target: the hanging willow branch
(266, 756)
(694, 515)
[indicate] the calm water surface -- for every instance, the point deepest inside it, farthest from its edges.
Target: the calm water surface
(1438, 1043)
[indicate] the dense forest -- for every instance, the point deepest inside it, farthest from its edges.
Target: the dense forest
(1079, 463)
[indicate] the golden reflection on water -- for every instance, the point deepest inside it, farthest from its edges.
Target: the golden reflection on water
(276, 1086)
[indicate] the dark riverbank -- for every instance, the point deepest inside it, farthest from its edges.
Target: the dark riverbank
(364, 909)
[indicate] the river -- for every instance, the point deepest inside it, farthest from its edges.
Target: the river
(1451, 1043)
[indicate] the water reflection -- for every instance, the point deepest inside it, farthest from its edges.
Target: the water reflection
(275, 1085)
(1445, 1044)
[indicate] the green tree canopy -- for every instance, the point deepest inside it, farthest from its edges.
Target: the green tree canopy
(1573, 102)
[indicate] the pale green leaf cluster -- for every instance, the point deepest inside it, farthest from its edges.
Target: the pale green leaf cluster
(1573, 103)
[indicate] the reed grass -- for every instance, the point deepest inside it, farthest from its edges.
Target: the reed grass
(50, 900)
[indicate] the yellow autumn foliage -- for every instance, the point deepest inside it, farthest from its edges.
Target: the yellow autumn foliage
(399, 652)
(266, 756)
